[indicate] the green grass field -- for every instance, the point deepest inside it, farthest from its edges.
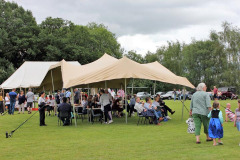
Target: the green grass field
(114, 141)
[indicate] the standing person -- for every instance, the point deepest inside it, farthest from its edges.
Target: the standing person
(215, 92)
(76, 96)
(215, 129)
(105, 101)
(7, 102)
(57, 98)
(132, 104)
(237, 117)
(21, 102)
(41, 108)
(30, 100)
(175, 94)
(62, 95)
(68, 95)
(199, 109)
(179, 94)
(1, 104)
(13, 97)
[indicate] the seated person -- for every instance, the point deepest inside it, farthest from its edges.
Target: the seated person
(148, 105)
(165, 108)
(116, 106)
(92, 103)
(229, 114)
(51, 105)
(157, 108)
(65, 110)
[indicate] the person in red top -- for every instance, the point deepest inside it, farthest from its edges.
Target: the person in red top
(215, 91)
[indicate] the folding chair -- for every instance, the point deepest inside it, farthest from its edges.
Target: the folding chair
(95, 116)
(80, 113)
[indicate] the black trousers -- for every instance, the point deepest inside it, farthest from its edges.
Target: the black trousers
(65, 120)
(42, 116)
(1, 107)
(166, 108)
(106, 109)
(130, 109)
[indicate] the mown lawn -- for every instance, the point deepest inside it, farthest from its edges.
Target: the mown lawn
(115, 141)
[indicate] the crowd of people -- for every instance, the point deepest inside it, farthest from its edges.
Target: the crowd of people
(210, 115)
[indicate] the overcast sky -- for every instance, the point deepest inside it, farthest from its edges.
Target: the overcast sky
(143, 25)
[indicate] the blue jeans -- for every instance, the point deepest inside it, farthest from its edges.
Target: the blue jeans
(174, 97)
(157, 114)
(12, 107)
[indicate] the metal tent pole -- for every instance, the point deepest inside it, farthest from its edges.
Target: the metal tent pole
(154, 88)
(74, 113)
(132, 86)
(183, 101)
(52, 82)
(88, 89)
(126, 98)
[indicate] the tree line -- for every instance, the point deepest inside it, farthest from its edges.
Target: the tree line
(214, 61)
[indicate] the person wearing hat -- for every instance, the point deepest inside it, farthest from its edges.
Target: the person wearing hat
(41, 108)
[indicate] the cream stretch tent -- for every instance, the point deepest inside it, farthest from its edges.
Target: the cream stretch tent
(161, 69)
(29, 74)
(126, 68)
(118, 73)
(63, 72)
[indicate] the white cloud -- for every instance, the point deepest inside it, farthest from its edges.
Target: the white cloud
(143, 25)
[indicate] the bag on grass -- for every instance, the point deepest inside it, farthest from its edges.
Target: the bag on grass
(191, 125)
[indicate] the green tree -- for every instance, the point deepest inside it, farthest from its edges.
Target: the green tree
(135, 57)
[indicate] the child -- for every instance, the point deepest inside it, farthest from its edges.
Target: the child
(229, 114)
(237, 117)
(215, 129)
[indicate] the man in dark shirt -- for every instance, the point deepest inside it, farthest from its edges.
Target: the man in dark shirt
(65, 110)
(76, 96)
(13, 96)
(165, 108)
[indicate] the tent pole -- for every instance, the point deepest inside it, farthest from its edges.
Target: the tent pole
(183, 101)
(74, 113)
(52, 81)
(132, 86)
(126, 98)
(3, 99)
(154, 88)
(88, 89)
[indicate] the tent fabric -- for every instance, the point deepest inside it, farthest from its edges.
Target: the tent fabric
(161, 69)
(63, 72)
(30, 74)
(118, 72)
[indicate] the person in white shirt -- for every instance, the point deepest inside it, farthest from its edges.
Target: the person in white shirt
(41, 107)
(51, 105)
(105, 101)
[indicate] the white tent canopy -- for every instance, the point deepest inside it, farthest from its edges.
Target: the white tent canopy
(29, 74)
